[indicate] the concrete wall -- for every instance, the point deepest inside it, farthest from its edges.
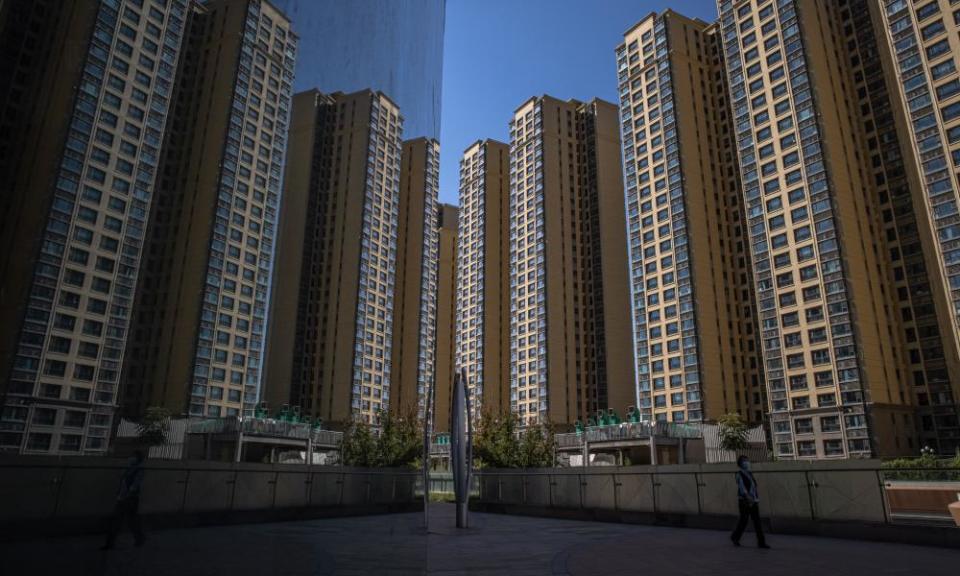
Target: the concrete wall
(45, 495)
(842, 498)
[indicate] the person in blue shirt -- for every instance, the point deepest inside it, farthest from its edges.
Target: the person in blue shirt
(128, 502)
(749, 500)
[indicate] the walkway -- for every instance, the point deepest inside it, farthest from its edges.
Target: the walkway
(496, 545)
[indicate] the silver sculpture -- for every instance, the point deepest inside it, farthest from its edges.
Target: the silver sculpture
(461, 444)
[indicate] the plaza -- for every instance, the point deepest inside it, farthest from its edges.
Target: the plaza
(493, 545)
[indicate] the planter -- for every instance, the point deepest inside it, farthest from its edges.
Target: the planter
(955, 512)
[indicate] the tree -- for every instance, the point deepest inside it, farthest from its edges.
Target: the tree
(537, 446)
(499, 442)
(359, 445)
(495, 440)
(733, 432)
(152, 430)
(399, 442)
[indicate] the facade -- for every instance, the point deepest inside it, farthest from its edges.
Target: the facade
(200, 322)
(415, 299)
(332, 302)
(85, 110)
(915, 48)
(693, 313)
(570, 351)
(446, 315)
(693, 320)
(393, 47)
(483, 282)
(833, 348)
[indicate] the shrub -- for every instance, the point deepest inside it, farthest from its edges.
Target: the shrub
(926, 468)
(152, 430)
(398, 443)
(499, 442)
(733, 432)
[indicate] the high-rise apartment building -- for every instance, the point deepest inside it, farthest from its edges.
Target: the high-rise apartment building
(446, 315)
(197, 346)
(915, 47)
(483, 281)
(85, 110)
(392, 47)
(693, 319)
(333, 295)
(415, 296)
(834, 359)
(570, 335)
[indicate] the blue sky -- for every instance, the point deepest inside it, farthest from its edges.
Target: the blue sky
(498, 53)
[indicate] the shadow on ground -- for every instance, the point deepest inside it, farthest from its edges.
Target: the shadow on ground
(494, 545)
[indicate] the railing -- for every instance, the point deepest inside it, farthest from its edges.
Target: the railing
(628, 431)
(841, 491)
(49, 490)
(265, 427)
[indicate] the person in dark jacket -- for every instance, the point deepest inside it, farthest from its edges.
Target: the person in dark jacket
(128, 502)
(749, 500)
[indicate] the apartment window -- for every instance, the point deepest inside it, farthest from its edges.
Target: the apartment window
(801, 403)
(39, 442)
(932, 30)
(798, 382)
(819, 357)
(44, 416)
(83, 372)
(803, 425)
(821, 379)
(795, 361)
(833, 447)
(939, 49)
(830, 424)
(817, 335)
(829, 399)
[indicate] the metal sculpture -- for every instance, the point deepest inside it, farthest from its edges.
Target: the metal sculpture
(461, 445)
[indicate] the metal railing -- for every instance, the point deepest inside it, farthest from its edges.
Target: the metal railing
(847, 491)
(628, 431)
(265, 427)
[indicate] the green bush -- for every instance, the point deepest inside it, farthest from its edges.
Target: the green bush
(152, 430)
(399, 443)
(733, 432)
(926, 468)
(499, 442)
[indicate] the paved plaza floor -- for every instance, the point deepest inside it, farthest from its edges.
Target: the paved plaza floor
(495, 544)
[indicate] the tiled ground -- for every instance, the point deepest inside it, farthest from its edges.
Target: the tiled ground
(495, 545)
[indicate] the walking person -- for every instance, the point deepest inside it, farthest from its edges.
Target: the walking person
(749, 500)
(128, 502)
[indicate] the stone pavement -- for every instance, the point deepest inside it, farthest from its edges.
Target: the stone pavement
(495, 545)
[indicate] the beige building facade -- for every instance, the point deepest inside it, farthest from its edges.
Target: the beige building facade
(331, 335)
(834, 358)
(482, 293)
(415, 299)
(85, 108)
(200, 320)
(917, 54)
(570, 352)
(447, 226)
(693, 318)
